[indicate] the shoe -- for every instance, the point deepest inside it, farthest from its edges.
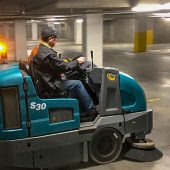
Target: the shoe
(84, 115)
(88, 116)
(93, 114)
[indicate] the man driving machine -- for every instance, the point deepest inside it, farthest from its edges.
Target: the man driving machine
(46, 68)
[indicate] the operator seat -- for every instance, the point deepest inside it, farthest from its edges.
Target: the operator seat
(41, 92)
(25, 67)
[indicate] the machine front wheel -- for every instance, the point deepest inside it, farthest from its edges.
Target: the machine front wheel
(105, 146)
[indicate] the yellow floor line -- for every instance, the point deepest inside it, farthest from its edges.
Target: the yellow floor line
(153, 100)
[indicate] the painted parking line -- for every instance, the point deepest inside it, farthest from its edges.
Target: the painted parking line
(153, 100)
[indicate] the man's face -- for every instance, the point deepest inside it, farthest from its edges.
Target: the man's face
(52, 41)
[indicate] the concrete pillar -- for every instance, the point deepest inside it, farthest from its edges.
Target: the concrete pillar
(149, 36)
(78, 31)
(70, 31)
(20, 39)
(93, 37)
(140, 33)
(112, 31)
(51, 24)
(34, 31)
(6, 27)
(66, 30)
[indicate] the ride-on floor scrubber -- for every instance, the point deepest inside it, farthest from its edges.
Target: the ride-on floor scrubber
(42, 133)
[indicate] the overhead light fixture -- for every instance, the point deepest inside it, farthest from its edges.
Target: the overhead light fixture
(166, 19)
(57, 23)
(166, 6)
(33, 21)
(79, 20)
(164, 15)
(147, 7)
(51, 19)
(55, 19)
(150, 7)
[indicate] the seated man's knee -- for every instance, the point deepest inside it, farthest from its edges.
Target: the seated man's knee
(78, 82)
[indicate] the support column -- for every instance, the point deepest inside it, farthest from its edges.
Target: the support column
(20, 39)
(51, 24)
(112, 31)
(70, 31)
(140, 33)
(34, 31)
(78, 31)
(150, 31)
(93, 37)
(6, 26)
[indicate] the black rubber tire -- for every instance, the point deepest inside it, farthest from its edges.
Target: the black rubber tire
(105, 146)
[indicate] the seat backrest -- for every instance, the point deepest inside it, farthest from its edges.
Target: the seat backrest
(41, 92)
(25, 67)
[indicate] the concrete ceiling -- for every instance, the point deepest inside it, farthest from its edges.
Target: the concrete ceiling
(12, 9)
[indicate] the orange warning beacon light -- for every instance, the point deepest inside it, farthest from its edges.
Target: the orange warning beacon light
(3, 52)
(3, 47)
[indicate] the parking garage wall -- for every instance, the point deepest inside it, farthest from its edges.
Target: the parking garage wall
(65, 30)
(119, 30)
(161, 31)
(116, 30)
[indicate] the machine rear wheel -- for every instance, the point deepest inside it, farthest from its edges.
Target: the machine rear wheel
(105, 146)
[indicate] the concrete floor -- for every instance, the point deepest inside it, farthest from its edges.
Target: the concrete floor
(152, 70)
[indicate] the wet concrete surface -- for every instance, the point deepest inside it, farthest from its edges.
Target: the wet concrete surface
(152, 70)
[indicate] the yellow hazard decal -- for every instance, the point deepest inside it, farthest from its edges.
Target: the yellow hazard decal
(111, 76)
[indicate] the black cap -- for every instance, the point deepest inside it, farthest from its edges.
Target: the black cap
(47, 32)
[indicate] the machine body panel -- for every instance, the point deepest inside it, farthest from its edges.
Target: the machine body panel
(48, 132)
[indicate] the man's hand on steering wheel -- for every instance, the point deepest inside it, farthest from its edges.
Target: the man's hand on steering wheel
(81, 60)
